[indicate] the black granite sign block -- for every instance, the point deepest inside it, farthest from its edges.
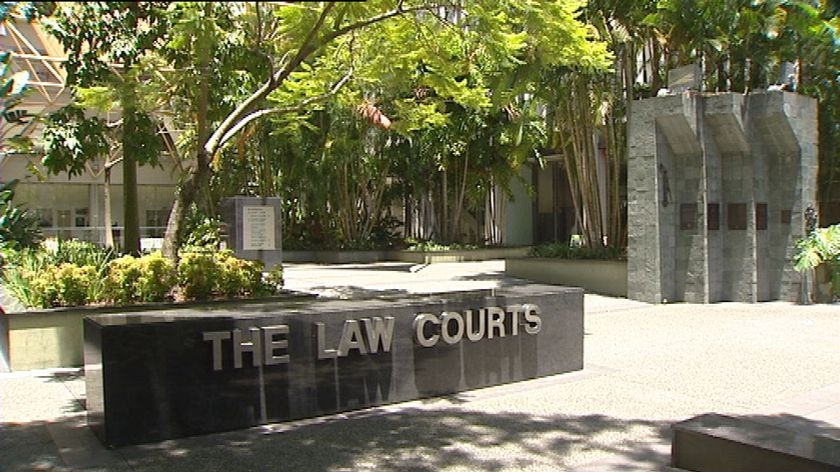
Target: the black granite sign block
(187, 372)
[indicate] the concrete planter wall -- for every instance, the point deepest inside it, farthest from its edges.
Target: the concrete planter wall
(602, 277)
(416, 257)
(41, 340)
(52, 338)
(336, 257)
(429, 257)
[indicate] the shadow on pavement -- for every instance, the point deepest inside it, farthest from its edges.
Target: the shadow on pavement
(412, 439)
(27, 447)
(415, 439)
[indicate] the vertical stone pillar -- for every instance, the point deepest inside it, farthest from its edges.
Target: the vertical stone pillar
(717, 189)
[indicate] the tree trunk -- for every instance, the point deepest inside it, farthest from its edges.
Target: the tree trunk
(445, 207)
(106, 190)
(197, 179)
(131, 217)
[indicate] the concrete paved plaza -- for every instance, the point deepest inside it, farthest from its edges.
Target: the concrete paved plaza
(647, 366)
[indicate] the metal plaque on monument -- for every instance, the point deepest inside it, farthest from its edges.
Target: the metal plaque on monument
(254, 228)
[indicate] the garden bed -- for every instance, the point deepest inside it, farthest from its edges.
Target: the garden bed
(44, 339)
(596, 276)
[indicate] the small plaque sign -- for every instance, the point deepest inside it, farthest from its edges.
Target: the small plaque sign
(736, 216)
(760, 216)
(258, 228)
(713, 216)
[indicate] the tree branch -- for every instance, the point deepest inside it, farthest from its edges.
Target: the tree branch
(397, 11)
(231, 124)
(269, 111)
(306, 48)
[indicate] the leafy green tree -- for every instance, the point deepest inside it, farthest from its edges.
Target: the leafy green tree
(442, 113)
(106, 42)
(306, 54)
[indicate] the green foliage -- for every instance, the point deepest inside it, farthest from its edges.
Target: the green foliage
(198, 275)
(18, 227)
(201, 232)
(76, 273)
(81, 253)
(97, 34)
(239, 277)
(149, 278)
(157, 278)
(562, 250)
(432, 246)
(20, 269)
(204, 275)
(73, 283)
(68, 273)
(71, 139)
(822, 246)
(274, 278)
(62, 285)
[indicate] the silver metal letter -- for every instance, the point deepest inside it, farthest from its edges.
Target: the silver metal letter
(475, 335)
(323, 352)
(379, 331)
(419, 322)
(270, 345)
(216, 337)
(447, 337)
(252, 345)
(514, 310)
(351, 338)
(495, 319)
(532, 316)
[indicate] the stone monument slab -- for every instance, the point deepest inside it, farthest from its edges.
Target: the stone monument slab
(187, 372)
(254, 228)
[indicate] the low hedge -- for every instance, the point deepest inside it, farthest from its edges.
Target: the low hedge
(39, 280)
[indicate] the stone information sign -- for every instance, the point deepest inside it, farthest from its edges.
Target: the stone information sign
(258, 228)
(253, 228)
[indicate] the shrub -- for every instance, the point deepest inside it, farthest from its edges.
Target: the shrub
(157, 277)
(198, 275)
(82, 253)
(201, 232)
(239, 277)
(425, 246)
(274, 278)
(149, 278)
(562, 250)
(822, 245)
(62, 285)
(21, 268)
(74, 283)
(123, 274)
(202, 275)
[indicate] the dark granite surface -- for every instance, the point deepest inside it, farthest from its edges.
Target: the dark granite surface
(151, 376)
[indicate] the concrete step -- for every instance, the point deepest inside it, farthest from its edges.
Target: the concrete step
(720, 443)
